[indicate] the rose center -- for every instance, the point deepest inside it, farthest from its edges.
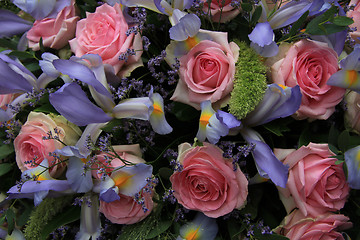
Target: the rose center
(208, 65)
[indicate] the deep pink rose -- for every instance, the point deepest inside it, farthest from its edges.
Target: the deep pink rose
(221, 11)
(126, 210)
(104, 33)
(316, 184)
(298, 227)
(55, 32)
(355, 15)
(309, 64)
(207, 73)
(31, 147)
(208, 182)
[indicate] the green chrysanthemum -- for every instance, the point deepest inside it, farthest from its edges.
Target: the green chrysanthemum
(249, 83)
(43, 213)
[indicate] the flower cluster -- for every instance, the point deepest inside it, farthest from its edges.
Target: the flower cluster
(180, 119)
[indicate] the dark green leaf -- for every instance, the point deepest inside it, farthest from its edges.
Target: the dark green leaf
(24, 215)
(70, 215)
(339, 162)
(344, 140)
(8, 44)
(5, 168)
(333, 137)
(2, 219)
(321, 26)
(247, 7)
(161, 227)
(277, 127)
(33, 66)
(165, 172)
(10, 219)
(6, 150)
(256, 15)
(235, 229)
(109, 127)
(41, 45)
(333, 148)
(184, 112)
(342, 21)
(47, 108)
(21, 54)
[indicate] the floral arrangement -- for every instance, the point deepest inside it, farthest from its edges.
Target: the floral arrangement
(179, 119)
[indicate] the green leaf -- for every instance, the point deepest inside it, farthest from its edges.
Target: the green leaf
(342, 21)
(333, 148)
(184, 112)
(247, 7)
(109, 127)
(72, 214)
(25, 214)
(277, 127)
(235, 229)
(7, 43)
(321, 26)
(160, 227)
(165, 172)
(6, 150)
(21, 54)
(256, 15)
(46, 108)
(5, 168)
(344, 140)
(333, 137)
(10, 219)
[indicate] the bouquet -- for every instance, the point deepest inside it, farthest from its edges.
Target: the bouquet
(179, 119)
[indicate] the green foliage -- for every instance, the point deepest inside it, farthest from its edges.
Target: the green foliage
(70, 215)
(328, 23)
(249, 83)
(42, 214)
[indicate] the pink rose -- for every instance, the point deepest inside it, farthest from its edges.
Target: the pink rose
(208, 182)
(298, 227)
(207, 72)
(126, 210)
(352, 113)
(221, 11)
(55, 32)
(355, 15)
(104, 33)
(309, 64)
(5, 99)
(316, 184)
(30, 147)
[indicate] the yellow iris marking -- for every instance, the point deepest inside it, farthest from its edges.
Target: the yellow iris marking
(282, 86)
(40, 178)
(204, 119)
(122, 180)
(84, 160)
(157, 109)
(351, 76)
(191, 42)
(193, 235)
(358, 159)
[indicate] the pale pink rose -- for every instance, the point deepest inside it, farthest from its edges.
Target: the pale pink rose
(55, 32)
(309, 64)
(328, 226)
(5, 99)
(207, 73)
(352, 113)
(355, 15)
(316, 184)
(104, 33)
(30, 147)
(126, 210)
(221, 11)
(208, 182)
